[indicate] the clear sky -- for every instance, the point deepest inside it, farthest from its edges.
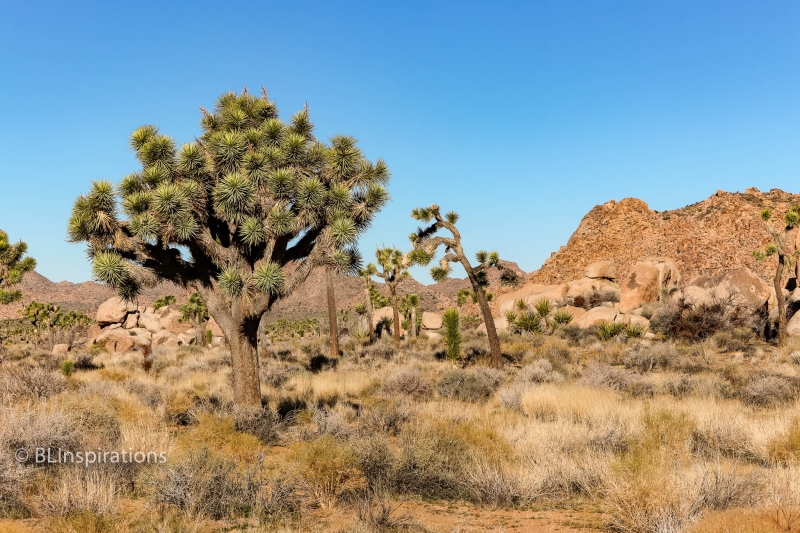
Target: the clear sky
(521, 116)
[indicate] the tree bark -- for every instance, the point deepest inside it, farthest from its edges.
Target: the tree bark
(486, 312)
(413, 326)
(395, 317)
(246, 384)
(781, 303)
(370, 313)
(332, 320)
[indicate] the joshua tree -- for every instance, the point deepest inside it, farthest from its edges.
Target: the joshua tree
(394, 269)
(409, 305)
(12, 267)
(42, 315)
(346, 261)
(241, 216)
(778, 246)
(195, 310)
(426, 242)
(366, 274)
(452, 333)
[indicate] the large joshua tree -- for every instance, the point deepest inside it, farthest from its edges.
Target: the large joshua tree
(393, 269)
(426, 242)
(778, 247)
(13, 265)
(241, 215)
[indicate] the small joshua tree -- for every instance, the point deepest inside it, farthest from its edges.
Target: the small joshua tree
(426, 241)
(778, 246)
(13, 265)
(42, 315)
(366, 274)
(241, 215)
(452, 333)
(394, 269)
(196, 312)
(409, 305)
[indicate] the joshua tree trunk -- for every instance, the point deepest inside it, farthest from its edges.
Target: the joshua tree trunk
(246, 386)
(413, 325)
(199, 331)
(486, 312)
(395, 317)
(370, 312)
(332, 321)
(778, 282)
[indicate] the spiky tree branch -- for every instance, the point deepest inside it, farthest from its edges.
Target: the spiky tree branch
(394, 266)
(13, 266)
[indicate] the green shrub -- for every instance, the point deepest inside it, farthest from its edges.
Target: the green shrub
(452, 333)
(469, 385)
(164, 302)
(608, 330)
(67, 368)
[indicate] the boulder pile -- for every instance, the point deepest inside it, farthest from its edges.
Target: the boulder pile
(122, 326)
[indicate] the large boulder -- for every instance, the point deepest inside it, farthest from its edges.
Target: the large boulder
(646, 281)
(380, 314)
(132, 321)
(595, 316)
(576, 312)
(431, 320)
(530, 293)
(741, 286)
(93, 332)
(586, 286)
(141, 332)
(113, 311)
(500, 324)
(172, 322)
(150, 322)
(602, 269)
(60, 350)
(793, 327)
(165, 339)
(632, 320)
(120, 340)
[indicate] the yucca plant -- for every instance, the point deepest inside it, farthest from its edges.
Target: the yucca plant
(240, 216)
(394, 266)
(542, 318)
(452, 333)
(13, 265)
(426, 242)
(778, 247)
(196, 312)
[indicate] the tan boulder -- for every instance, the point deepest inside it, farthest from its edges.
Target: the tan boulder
(793, 327)
(141, 332)
(632, 320)
(92, 333)
(166, 339)
(585, 286)
(132, 321)
(187, 338)
(60, 350)
(595, 316)
(380, 314)
(120, 340)
(646, 281)
(431, 320)
(741, 285)
(601, 269)
(113, 311)
(500, 324)
(530, 293)
(216, 331)
(172, 322)
(150, 322)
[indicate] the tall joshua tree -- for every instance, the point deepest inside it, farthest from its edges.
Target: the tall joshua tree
(241, 216)
(13, 265)
(345, 261)
(426, 242)
(778, 246)
(393, 269)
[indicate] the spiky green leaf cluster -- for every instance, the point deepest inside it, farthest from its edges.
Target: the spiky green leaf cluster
(241, 194)
(13, 266)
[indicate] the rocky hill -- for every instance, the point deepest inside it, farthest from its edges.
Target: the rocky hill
(703, 238)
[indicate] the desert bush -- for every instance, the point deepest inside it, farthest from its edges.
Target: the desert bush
(539, 371)
(376, 461)
(387, 416)
(67, 368)
(785, 448)
(29, 382)
(383, 349)
(38, 427)
(78, 490)
(280, 499)
(260, 422)
(679, 386)
(472, 385)
(768, 391)
(683, 320)
(605, 375)
(648, 358)
(13, 477)
(408, 382)
(277, 374)
(326, 469)
(330, 422)
(198, 484)
(594, 299)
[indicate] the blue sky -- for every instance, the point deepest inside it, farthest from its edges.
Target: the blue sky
(521, 116)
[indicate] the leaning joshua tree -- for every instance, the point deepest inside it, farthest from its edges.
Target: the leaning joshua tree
(241, 216)
(426, 242)
(394, 269)
(778, 246)
(13, 265)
